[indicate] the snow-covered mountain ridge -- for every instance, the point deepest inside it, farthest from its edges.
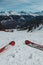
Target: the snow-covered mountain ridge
(7, 13)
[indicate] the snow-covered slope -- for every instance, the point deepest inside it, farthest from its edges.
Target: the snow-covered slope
(21, 54)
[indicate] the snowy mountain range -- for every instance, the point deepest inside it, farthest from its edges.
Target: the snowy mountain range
(38, 13)
(7, 13)
(21, 20)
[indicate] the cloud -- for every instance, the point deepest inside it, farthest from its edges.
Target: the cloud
(32, 5)
(24, 1)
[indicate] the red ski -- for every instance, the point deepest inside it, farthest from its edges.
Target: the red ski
(12, 43)
(34, 45)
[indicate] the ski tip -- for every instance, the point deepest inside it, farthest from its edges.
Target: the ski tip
(27, 42)
(12, 43)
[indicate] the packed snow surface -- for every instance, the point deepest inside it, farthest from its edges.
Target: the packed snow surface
(21, 54)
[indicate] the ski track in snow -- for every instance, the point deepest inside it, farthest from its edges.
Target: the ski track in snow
(21, 54)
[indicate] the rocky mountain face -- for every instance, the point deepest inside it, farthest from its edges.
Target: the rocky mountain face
(20, 21)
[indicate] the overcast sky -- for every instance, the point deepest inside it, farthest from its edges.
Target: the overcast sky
(21, 5)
